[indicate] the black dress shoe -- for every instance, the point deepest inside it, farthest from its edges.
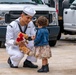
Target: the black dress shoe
(29, 64)
(10, 63)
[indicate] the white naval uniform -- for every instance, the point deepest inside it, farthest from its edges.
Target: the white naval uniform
(12, 31)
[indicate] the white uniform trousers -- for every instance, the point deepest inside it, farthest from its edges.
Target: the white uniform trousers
(16, 55)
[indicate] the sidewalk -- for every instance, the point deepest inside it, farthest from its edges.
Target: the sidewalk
(63, 62)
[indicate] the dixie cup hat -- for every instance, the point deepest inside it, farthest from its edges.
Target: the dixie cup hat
(29, 11)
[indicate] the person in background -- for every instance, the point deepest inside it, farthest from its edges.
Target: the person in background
(25, 25)
(42, 48)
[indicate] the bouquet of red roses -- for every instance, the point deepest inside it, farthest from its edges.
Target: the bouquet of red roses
(23, 37)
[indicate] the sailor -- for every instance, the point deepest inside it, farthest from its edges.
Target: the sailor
(22, 24)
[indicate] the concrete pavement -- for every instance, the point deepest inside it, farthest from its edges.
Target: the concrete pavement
(62, 62)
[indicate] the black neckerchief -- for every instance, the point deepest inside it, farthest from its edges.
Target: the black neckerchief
(29, 38)
(21, 28)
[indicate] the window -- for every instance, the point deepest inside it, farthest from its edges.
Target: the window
(21, 2)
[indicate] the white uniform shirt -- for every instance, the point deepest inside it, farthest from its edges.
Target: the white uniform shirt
(13, 30)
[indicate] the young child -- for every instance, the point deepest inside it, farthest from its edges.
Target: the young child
(42, 48)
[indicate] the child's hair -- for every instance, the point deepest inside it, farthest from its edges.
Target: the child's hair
(42, 21)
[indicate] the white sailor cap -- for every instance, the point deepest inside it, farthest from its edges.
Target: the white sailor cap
(29, 11)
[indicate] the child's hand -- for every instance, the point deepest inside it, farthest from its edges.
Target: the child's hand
(32, 37)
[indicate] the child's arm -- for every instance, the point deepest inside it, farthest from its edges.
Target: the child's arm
(38, 37)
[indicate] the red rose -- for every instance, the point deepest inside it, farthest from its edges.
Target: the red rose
(21, 35)
(18, 39)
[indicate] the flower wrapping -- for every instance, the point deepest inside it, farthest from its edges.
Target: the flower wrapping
(23, 37)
